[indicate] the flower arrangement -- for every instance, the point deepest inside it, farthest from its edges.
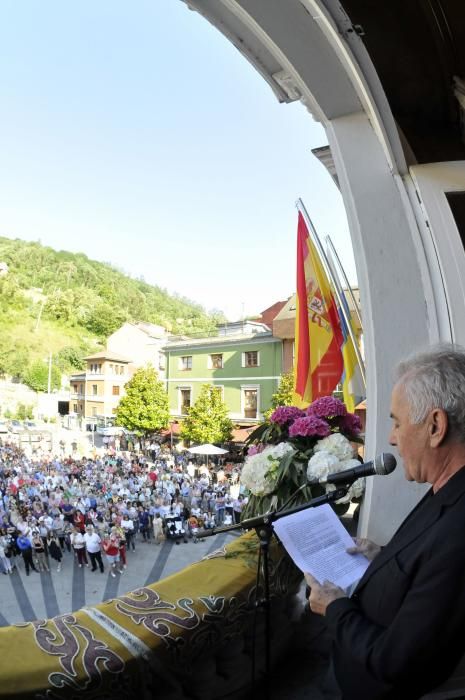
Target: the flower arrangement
(295, 449)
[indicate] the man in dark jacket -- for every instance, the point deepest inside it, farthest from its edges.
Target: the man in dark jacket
(401, 634)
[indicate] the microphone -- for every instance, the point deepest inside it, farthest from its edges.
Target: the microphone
(383, 464)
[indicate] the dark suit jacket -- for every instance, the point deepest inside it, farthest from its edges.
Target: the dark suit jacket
(403, 631)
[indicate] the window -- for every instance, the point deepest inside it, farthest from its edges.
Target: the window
(250, 402)
(110, 367)
(215, 361)
(186, 362)
(115, 391)
(94, 389)
(184, 400)
(251, 358)
(75, 388)
(75, 407)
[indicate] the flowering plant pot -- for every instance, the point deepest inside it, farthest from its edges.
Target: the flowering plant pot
(296, 448)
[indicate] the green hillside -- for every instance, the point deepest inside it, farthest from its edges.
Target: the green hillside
(66, 304)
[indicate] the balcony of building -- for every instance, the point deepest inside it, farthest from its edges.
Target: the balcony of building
(196, 634)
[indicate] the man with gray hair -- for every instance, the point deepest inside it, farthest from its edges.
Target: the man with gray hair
(401, 635)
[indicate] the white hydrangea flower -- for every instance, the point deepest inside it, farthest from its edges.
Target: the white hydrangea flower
(321, 464)
(337, 445)
(253, 476)
(279, 450)
(357, 488)
(259, 472)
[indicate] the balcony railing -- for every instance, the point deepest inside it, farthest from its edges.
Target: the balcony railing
(188, 636)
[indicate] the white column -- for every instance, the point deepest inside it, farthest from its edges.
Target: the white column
(394, 286)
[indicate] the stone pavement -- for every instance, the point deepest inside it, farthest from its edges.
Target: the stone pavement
(38, 596)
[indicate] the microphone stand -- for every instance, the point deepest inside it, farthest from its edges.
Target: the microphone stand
(263, 526)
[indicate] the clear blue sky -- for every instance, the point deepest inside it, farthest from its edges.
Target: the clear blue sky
(136, 133)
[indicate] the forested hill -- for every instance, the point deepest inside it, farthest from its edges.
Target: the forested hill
(53, 300)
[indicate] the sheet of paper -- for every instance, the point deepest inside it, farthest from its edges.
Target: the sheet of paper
(317, 542)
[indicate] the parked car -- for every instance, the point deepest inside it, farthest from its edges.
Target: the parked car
(30, 425)
(3, 426)
(15, 426)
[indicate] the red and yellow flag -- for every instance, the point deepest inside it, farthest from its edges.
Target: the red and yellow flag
(318, 334)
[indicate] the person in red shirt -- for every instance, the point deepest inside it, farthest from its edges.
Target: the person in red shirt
(111, 548)
(79, 521)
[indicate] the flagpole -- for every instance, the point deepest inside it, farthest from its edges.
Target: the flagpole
(344, 277)
(337, 287)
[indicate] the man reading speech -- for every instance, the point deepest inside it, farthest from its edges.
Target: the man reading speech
(402, 633)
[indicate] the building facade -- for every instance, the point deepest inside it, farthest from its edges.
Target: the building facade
(97, 391)
(245, 366)
(142, 343)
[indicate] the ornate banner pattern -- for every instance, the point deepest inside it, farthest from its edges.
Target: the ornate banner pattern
(147, 639)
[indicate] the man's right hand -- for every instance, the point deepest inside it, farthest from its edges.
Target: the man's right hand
(366, 547)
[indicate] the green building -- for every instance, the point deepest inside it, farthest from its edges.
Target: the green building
(244, 360)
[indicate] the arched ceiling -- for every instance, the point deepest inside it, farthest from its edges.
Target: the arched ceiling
(417, 48)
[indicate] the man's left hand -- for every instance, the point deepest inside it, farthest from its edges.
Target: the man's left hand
(321, 595)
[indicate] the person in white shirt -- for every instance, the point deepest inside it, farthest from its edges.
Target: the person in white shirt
(128, 526)
(93, 541)
(157, 528)
(79, 547)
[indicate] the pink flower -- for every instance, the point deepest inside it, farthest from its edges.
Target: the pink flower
(350, 424)
(309, 426)
(327, 407)
(255, 450)
(285, 414)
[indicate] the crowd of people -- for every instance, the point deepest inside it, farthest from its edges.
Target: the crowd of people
(97, 509)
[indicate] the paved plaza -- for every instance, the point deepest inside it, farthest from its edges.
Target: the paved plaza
(38, 596)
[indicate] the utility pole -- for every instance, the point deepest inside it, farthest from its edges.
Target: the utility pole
(49, 383)
(39, 315)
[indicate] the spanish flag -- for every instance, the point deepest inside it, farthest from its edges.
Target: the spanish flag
(318, 334)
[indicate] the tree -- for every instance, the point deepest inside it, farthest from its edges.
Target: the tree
(207, 419)
(24, 412)
(104, 319)
(70, 358)
(284, 395)
(14, 359)
(144, 408)
(36, 377)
